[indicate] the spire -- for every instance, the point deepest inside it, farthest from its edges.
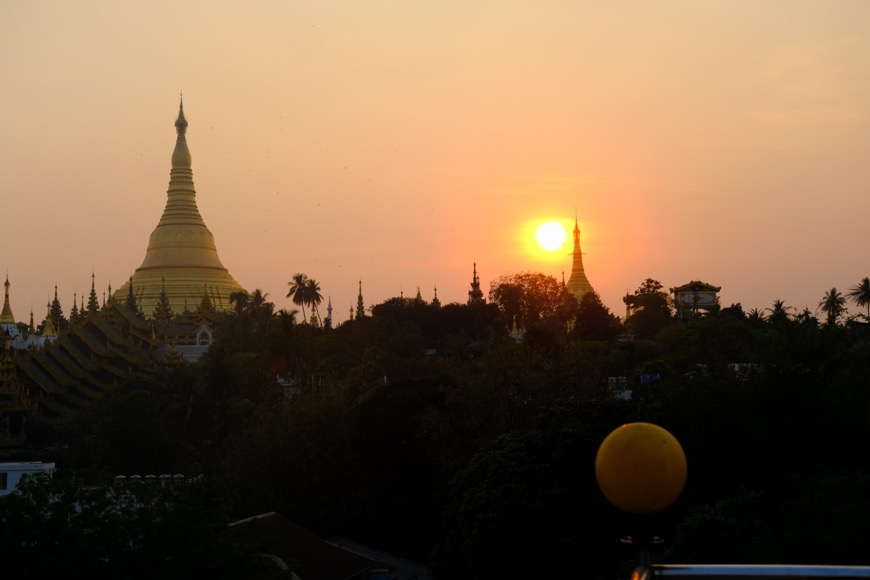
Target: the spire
(181, 155)
(578, 283)
(360, 305)
(74, 311)
(475, 295)
(57, 317)
(435, 302)
(130, 302)
(163, 310)
(181, 253)
(6, 317)
(328, 321)
(93, 303)
(48, 328)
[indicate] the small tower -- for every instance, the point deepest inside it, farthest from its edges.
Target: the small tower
(360, 305)
(57, 316)
(74, 312)
(48, 328)
(435, 302)
(130, 301)
(93, 301)
(578, 283)
(475, 295)
(6, 317)
(328, 321)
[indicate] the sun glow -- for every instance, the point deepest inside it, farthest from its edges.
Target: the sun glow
(551, 236)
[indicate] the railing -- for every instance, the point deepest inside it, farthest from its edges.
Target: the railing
(748, 572)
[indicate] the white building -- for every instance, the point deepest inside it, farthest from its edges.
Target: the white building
(11, 473)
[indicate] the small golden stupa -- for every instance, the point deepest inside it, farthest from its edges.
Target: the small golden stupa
(181, 258)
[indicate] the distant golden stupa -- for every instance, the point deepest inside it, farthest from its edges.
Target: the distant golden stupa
(181, 258)
(578, 283)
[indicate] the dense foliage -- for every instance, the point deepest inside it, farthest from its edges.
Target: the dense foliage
(428, 431)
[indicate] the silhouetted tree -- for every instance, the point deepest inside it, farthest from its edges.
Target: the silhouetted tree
(649, 309)
(833, 304)
(860, 295)
(779, 312)
(296, 292)
(531, 297)
(313, 297)
(594, 320)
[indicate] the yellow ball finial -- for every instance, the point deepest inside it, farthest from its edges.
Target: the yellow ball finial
(641, 468)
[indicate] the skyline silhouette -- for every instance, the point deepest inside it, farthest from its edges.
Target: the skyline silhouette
(400, 144)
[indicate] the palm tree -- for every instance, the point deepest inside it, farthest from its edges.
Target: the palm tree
(239, 300)
(297, 291)
(860, 295)
(833, 304)
(779, 312)
(313, 297)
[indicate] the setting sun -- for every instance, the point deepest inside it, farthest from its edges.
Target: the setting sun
(551, 236)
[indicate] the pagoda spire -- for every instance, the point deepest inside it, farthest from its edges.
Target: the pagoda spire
(578, 283)
(57, 316)
(360, 305)
(6, 316)
(93, 302)
(475, 295)
(74, 312)
(48, 328)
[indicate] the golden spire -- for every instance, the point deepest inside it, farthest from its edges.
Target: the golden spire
(48, 328)
(181, 255)
(6, 317)
(578, 283)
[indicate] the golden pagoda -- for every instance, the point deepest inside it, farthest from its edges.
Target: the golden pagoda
(578, 283)
(181, 258)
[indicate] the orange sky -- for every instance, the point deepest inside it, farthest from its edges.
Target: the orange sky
(398, 142)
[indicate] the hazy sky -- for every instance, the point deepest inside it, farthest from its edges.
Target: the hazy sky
(398, 142)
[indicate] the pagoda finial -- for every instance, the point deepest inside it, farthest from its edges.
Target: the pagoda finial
(181, 154)
(181, 122)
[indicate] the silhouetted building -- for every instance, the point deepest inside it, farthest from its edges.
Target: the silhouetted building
(475, 295)
(695, 299)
